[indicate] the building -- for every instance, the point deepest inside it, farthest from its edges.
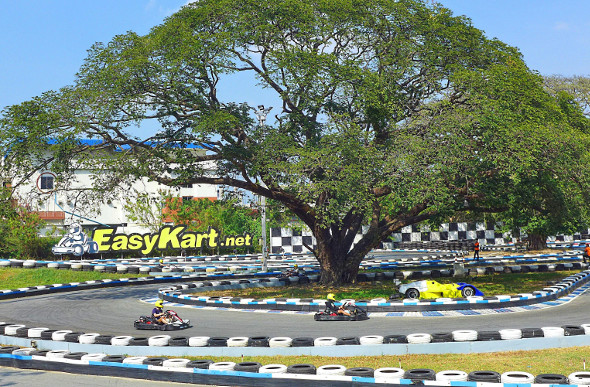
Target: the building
(43, 193)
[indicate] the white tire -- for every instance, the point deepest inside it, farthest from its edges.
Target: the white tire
(159, 341)
(517, 377)
(88, 338)
(222, 366)
(56, 354)
(198, 341)
(10, 330)
(389, 373)
(586, 328)
(510, 334)
(4, 263)
(582, 377)
(325, 341)
(371, 340)
(53, 265)
(331, 369)
(60, 335)
(175, 363)
(99, 268)
(464, 335)
(237, 342)
(451, 375)
(134, 360)
(29, 263)
(419, 338)
(273, 369)
(93, 357)
(121, 341)
(35, 333)
(23, 351)
(553, 331)
(280, 342)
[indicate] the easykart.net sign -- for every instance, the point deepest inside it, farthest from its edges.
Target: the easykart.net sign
(169, 237)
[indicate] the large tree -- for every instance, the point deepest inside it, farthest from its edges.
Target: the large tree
(393, 112)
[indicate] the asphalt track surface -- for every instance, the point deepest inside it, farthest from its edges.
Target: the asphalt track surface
(112, 311)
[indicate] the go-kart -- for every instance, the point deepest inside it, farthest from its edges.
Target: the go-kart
(433, 289)
(356, 314)
(175, 322)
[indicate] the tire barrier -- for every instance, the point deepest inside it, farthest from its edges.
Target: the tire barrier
(119, 358)
(88, 338)
(305, 369)
(121, 340)
(325, 341)
(200, 341)
(451, 376)
(388, 373)
(464, 335)
(222, 366)
(331, 369)
(371, 340)
(273, 369)
(484, 376)
(159, 341)
(237, 342)
(280, 342)
(419, 338)
(420, 374)
(176, 363)
(553, 332)
(178, 294)
(285, 342)
(517, 377)
(579, 378)
(249, 366)
(510, 334)
(551, 379)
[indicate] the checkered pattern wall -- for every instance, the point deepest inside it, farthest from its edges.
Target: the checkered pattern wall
(292, 241)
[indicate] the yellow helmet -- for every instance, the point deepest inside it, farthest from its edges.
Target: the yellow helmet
(159, 303)
(331, 296)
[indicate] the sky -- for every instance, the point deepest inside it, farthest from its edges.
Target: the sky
(44, 42)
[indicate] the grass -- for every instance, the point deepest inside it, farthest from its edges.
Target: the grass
(14, 278)
(563, 361)
(494, 284)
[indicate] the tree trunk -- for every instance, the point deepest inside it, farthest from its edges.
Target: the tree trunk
(537, 241)
(338, 269)
(338, 265)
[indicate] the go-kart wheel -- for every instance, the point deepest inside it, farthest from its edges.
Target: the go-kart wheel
(78, 250)
(468, 291)
(412, 293)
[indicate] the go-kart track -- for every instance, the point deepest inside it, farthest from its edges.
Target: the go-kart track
(112, 311)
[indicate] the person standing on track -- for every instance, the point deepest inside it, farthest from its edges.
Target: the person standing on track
(476, 250)
(586, 255)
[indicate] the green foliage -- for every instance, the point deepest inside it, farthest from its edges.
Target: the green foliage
(393, 112)
(19, 230)
(146, 210)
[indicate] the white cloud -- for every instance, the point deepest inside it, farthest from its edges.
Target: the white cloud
(561, 26)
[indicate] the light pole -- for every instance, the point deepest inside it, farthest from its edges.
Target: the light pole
(261, 114)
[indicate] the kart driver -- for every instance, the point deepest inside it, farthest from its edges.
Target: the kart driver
(331, 307)
(158, 313)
